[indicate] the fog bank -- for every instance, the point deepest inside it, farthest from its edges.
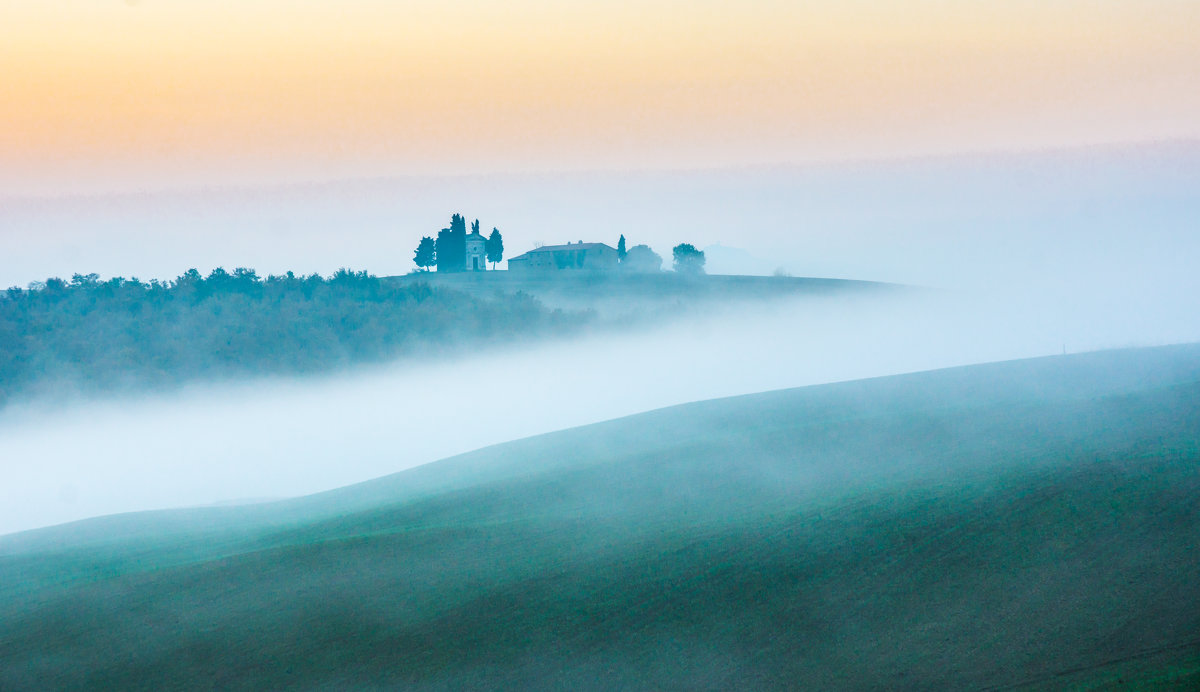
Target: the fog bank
(277, 438)
(1029, 254)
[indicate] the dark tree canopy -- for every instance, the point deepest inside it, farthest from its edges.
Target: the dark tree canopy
(95, 335)
(426, 254)
(452, 246)
(621, 248)
(688, 260)
(495, 247)
(641, 258)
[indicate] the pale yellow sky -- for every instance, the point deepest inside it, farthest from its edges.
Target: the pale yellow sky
(117, 94)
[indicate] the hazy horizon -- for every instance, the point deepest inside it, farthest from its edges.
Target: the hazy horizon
(233, 184)
(954, 222)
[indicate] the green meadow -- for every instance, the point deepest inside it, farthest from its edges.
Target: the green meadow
(1030, 524)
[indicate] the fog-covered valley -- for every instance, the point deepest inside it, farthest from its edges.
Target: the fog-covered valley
(1019, 522)
(458, 345)
(284, 436)
(1014, 256)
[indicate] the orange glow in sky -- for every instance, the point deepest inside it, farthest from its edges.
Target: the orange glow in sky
(119, 94)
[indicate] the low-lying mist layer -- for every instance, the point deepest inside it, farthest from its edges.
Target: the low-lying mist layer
(284, 436)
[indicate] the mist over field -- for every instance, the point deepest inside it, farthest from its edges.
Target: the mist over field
(1016, 255)
(1021, 256)
(823, 345)
(285, 436)
(983, 507)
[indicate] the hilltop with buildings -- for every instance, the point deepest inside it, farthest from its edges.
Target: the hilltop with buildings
(90, 334)
(456, 251)
(621, 283)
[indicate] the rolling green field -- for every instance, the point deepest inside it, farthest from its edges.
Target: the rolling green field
(1030, 524)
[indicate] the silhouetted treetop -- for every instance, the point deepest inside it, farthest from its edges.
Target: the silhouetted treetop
(452, 245)
(426, 254)
(688, 260)
(495, 247)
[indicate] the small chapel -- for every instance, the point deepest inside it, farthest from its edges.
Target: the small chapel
(476, 247)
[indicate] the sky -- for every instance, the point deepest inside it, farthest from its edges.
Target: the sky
(121, 95)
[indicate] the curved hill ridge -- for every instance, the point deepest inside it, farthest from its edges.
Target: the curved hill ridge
(1024, 522)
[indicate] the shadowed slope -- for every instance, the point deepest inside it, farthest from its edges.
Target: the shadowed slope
(1026, 522)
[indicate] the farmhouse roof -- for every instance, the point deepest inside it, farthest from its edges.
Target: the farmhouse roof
(567, 247)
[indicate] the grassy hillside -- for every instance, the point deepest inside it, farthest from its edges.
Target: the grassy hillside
(1027, 524)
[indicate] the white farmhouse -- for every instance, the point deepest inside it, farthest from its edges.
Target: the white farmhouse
(581, 256)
